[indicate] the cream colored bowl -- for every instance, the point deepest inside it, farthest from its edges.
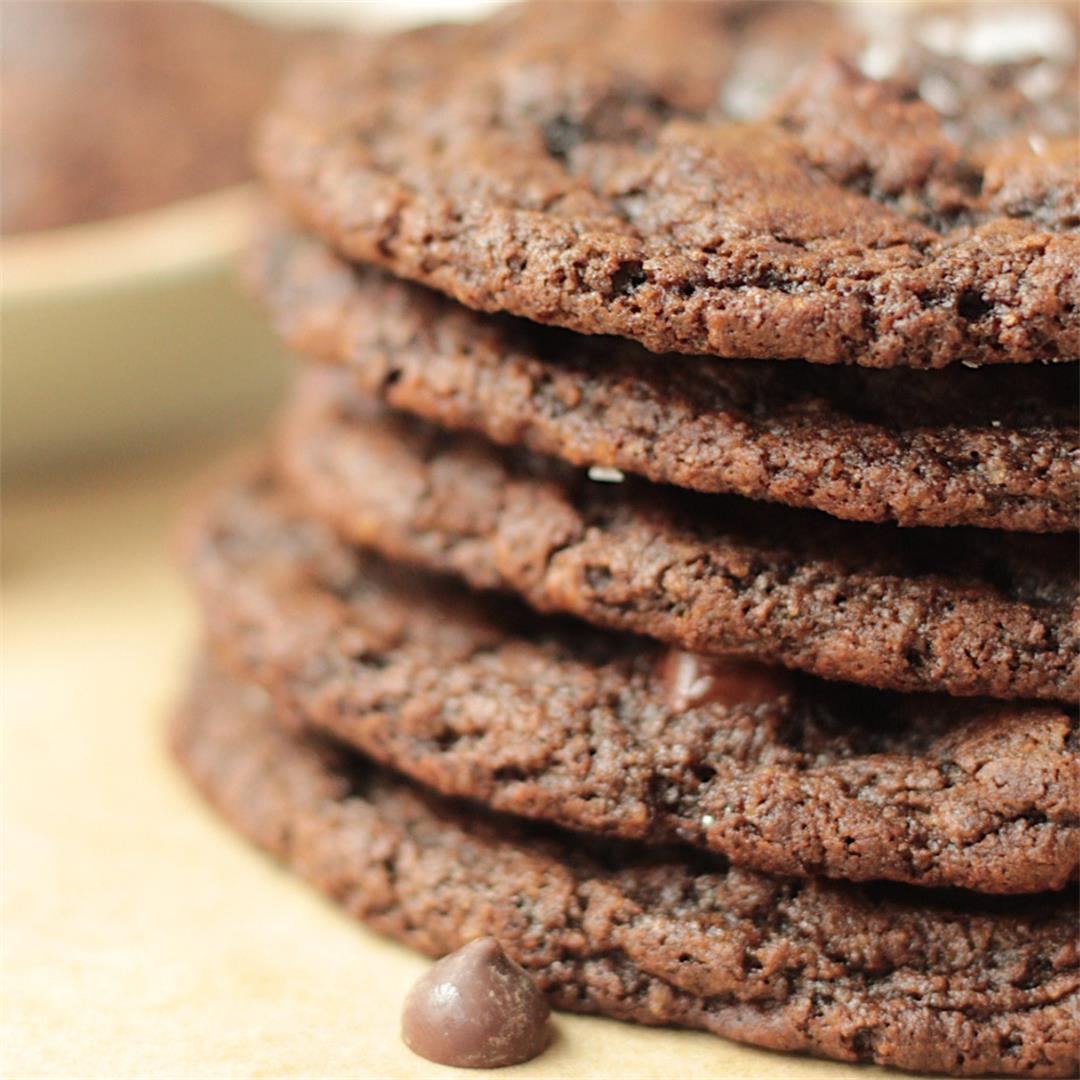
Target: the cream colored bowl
(126, 336)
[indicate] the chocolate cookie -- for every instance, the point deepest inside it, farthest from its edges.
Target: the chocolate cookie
(961, 611)
(997, 448)
(740, 179)
(475, 696)
(936, 982)
(109, 108)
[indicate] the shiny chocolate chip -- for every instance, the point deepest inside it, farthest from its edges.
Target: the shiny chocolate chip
(477, 1009)
(691, 680)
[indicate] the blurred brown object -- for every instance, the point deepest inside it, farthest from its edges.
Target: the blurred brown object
(113, 106)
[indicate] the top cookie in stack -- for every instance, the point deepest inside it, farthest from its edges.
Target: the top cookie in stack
(732, 179)
(480, 233)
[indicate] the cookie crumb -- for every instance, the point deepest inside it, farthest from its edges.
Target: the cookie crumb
(604, 474)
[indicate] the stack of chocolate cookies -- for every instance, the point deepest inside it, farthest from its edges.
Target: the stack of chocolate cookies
(666, 562)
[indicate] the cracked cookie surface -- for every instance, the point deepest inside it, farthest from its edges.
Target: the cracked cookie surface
(963, 611)
(939, 982)
(997, 448)
(740, 180)
(475, 696)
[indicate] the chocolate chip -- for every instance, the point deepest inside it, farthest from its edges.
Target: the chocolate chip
(691, 680)
(476, 1009)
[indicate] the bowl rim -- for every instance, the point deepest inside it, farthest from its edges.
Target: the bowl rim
(163, 242)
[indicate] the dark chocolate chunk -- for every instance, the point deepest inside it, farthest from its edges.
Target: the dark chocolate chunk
(476, 1009)
(692, 680)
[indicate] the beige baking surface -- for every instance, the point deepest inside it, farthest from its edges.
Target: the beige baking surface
(141, 938)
